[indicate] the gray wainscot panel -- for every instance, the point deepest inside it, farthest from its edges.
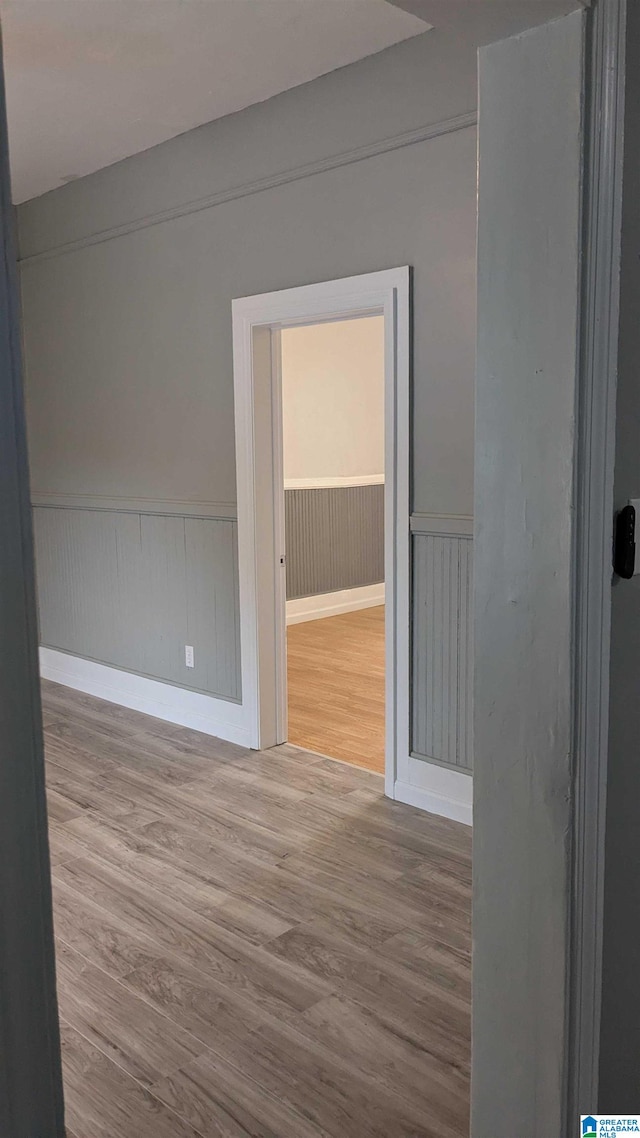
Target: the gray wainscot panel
(131, 590)
(442, 567)
(335, 539)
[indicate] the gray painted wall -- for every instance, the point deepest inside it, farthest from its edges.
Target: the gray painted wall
(132, 589)
(127, 281)
(528, 292)
(334, 539)
(128, 342)
(620, 1033)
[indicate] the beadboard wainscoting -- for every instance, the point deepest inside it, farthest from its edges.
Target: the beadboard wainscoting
(441, 695)
(130, 590)
(122, 591)
(335, 539)
(434, 773)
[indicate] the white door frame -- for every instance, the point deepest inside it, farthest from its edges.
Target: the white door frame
(257, 321)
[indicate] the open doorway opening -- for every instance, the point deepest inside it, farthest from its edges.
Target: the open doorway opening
(333, 466)
(354, 671)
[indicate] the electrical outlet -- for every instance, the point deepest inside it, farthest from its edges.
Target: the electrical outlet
(189, 658)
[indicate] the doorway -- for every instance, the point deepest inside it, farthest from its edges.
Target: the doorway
(333, 448)
(258, 326)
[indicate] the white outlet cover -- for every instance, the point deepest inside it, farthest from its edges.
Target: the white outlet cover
(189, 657)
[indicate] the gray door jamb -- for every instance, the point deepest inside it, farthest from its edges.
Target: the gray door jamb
(595, 455)
(31, 1103)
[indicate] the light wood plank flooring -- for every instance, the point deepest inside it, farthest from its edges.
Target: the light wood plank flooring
(250, 944)
(336, 673)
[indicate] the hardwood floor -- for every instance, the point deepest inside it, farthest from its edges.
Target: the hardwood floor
(250, 944)
(336, 674)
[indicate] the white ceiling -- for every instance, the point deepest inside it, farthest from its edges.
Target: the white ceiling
(92, 81)
(484, 21)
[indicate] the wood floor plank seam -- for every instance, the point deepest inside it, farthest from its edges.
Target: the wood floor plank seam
(121, 982)
(228, 945)
(161, 1111)
(325, 1054)
(206, 1050)
(203, 1047)
(174, 1088)
(127, 1074)
(153, 951)
(250, 945)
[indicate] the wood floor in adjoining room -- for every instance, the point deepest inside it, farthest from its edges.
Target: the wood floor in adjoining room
(250, 944)
(336, 674)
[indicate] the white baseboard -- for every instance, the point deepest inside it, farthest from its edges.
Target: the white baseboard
(433, 803)
(434, 788)
(192, 709)
(332, 604)
(437, 789)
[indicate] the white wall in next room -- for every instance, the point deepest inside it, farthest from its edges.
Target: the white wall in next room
(333, 403)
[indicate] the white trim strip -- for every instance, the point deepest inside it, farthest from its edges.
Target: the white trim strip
(180, 508)
(337, 482)
(333, 604)
(192, 709)
(346, 158)
(445, 525)
(458, 809)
